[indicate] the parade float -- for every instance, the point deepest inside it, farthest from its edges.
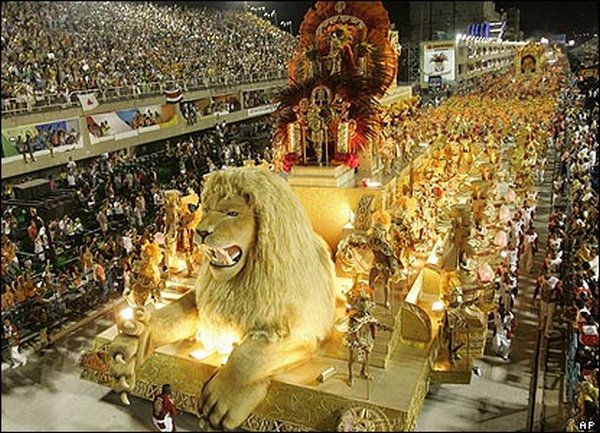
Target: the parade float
(292, 333)
(530, 59)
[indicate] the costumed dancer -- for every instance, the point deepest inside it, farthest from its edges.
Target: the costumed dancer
(164, 411)
(360, 336)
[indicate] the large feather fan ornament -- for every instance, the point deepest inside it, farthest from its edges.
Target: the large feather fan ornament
(344, 48)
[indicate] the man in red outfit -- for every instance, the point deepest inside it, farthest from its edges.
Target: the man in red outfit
(164, 411)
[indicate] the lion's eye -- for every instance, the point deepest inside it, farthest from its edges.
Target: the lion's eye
(233, 213)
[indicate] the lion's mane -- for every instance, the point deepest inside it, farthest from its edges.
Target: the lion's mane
(286, 287)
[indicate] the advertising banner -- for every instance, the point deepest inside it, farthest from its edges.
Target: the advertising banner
(438, 60)
(60, 135)
(262, 109)
(129, 123)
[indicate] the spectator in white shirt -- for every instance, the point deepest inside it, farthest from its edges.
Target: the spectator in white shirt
(71, 165)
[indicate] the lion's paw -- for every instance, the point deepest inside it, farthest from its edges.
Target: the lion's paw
(226, 404)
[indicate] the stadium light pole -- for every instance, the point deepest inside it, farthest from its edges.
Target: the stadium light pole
(258, 9)
(272, 16)
(286, 25)
(274, 12)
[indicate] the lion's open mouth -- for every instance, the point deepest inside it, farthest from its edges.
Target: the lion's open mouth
(223, 257)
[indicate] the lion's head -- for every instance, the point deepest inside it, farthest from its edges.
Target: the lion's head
(227, 233)
(266, 268)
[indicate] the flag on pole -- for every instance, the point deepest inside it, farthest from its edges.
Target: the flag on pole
(174, 95)
(88, 101)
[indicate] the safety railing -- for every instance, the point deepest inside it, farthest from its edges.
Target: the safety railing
(47, 102)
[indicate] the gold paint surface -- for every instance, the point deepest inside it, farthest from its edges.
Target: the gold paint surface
(329, 208)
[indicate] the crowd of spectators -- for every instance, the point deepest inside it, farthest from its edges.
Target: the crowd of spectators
(255, 98)
(189, 111)
(574, 230)
(224, 105)
(63, 47)
(69, 264)
(220, 147)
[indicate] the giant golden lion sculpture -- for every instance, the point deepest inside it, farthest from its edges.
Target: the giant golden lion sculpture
(268, 279)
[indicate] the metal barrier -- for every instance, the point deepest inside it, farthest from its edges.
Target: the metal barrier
(46, 102)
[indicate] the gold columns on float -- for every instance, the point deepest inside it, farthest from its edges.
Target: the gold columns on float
(328, 205)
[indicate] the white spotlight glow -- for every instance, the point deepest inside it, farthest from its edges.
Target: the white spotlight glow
(126, 313)
(371, 183)
(438, 306)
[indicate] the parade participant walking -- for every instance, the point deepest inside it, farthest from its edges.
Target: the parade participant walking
(550, 296)
(164, 411)
(528, 250)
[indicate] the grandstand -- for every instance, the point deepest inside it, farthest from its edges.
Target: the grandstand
(126, 54)
(53, 51)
